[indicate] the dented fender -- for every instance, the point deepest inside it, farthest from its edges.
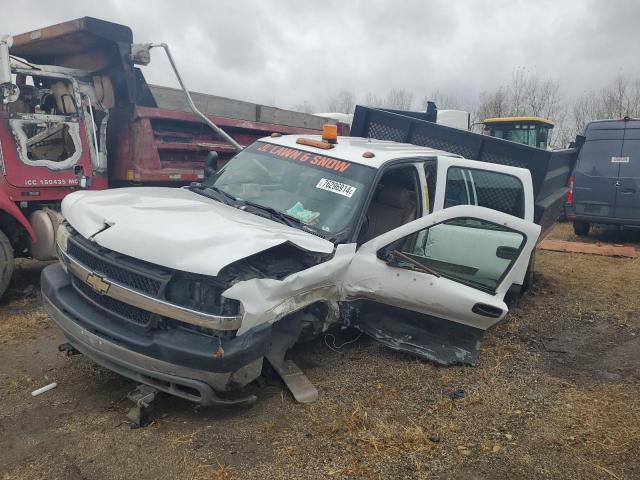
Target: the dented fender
(267, 300)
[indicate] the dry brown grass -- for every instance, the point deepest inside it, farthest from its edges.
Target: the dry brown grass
(23, 322)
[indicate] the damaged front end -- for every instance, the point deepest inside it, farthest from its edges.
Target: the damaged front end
(175, 331)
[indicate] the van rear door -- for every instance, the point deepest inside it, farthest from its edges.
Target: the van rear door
(596, 174)
(627, 206)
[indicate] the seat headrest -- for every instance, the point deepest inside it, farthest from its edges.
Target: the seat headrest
(393, 196)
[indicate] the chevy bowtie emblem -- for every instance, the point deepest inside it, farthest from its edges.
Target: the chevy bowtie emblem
(99, 284)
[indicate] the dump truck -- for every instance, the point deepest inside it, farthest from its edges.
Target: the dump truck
(411, 232)
(77, 114)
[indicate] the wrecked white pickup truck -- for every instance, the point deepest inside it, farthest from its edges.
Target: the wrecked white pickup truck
(189, 290)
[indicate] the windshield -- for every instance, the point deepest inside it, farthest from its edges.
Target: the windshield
(532, 135)
(322, 192)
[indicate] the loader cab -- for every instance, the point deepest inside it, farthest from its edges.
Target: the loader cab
(531, 131)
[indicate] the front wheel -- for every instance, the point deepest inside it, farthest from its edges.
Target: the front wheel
(6, 263)
(581, 228)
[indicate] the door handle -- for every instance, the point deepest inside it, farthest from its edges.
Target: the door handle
(486, 310)
(628, 191)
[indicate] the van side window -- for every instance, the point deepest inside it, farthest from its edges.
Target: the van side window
(498, 191)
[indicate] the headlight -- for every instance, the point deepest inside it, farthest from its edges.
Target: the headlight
(200, 293)
(62, 236)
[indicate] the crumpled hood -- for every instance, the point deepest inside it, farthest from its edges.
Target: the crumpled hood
(177, 228)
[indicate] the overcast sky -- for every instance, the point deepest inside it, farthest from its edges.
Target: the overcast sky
(285, 52)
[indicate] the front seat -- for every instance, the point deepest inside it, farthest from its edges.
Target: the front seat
(393, 206)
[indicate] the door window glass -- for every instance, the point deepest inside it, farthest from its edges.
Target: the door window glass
(468, 250)
(498, 191)
(595, 158)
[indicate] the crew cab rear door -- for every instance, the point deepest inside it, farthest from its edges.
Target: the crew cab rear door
(433, 286)
(469, 182)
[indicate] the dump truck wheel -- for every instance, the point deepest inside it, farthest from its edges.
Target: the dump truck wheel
(581, 228)
(6, 263)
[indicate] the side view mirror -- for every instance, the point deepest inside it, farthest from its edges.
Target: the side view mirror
(210, 164)
(8, 91)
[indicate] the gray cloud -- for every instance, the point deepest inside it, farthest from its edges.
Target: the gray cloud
(284, 52)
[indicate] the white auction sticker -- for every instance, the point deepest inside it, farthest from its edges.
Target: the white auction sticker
(619, 159)
(336, 187)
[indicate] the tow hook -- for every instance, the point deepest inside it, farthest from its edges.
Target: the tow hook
(68, 349)
(143, 397)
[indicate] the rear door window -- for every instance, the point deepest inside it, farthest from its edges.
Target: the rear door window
(495, 190)
(595, 158)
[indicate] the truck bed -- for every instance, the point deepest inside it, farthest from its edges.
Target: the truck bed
(214, 105)
(550, 170)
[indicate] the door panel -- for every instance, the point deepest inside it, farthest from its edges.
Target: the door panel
(627, 204)
(596, 175)
(424, 335)
(499, 187)
(461, 261)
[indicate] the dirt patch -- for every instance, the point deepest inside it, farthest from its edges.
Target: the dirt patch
(597, 233)
(555, 396)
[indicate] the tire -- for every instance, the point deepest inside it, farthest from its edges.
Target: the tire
(6, 263)
(581, 228)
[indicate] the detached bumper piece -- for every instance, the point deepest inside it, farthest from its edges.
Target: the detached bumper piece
(178, 362)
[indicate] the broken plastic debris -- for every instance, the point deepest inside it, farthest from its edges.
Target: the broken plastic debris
(46, 388)
(460, 393)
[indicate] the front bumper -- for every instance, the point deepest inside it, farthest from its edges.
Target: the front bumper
(177, 361)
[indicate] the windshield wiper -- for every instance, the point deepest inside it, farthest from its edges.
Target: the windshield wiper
(277, 214)
(221, 196)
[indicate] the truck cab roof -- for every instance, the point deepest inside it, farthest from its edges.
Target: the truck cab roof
(353, 148)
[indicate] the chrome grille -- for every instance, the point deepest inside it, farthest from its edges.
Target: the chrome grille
(118, 268)
(128, 312)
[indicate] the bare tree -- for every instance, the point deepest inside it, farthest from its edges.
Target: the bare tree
(343, 102)
(399, 99)
(527, 95)
(442, 100)
(619, 99)
(493, 104)
(304, 107)
(373, 100)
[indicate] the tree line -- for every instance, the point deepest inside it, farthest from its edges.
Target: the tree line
(525, 94)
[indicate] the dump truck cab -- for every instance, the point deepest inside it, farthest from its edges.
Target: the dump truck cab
(77, 114)
(532, 131)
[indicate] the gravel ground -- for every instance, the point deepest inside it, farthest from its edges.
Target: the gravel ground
(556, 395)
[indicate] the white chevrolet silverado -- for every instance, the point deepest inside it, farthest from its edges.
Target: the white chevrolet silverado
(189, 290)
